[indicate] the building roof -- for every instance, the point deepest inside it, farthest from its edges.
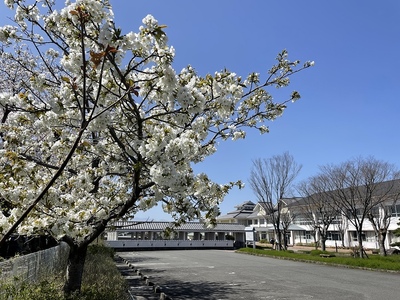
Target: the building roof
(161, 226)
(235, 215)
(255, 214)
(390, 189)
(244, 204)
(242, 212)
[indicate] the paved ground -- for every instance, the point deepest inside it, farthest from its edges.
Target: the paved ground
(218, 274)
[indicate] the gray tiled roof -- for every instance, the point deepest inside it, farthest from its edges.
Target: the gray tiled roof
(238, 215)
(255, 214)
(390, 187)
(161, 226)
(246, 203)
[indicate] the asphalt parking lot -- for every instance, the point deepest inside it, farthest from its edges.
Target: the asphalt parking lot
(222, 274)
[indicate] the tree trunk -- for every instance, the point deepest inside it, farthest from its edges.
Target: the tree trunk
(382, 239)
(323, 242)
(342, 238)
(360, 244)
(315, 236)
(278, 233)
(76, 262)
(285, 244)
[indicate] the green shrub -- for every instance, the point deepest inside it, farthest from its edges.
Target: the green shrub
(229, 237)
(100, 250)
(43, 290)
(101, 279)
(308, 244)
(318, 252)
(264, 241)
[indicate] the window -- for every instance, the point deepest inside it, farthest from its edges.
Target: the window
(395, 210)
(304, 235)
(337, 220)
(375, 211)
(303, 221)
(355, 237)
(262, 221)
(333, 236)
(255, 221)
(360, 212)
(370, 237)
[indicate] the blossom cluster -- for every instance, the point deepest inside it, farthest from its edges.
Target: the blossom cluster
(108, 110)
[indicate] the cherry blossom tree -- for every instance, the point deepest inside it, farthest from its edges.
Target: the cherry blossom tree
(100, 126)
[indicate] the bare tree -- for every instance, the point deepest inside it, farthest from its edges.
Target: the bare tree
(317, 207)
(381, 215)
(356, 188)
(396, 232)
(271, 180)
(287, 218)
(340, 225)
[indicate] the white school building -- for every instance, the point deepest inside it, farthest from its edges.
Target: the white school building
(340, 233)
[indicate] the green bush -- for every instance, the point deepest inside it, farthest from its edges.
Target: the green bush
(101, 279)
(43, 290)
(100, 250)
(318, 252)
(307, 245)
(229, 237)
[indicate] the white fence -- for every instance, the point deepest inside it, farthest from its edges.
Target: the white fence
(33, 266)
(168, 244)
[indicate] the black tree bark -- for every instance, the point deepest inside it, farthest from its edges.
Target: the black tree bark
(76, 262)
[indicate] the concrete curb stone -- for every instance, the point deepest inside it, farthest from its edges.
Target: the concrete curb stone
(143, 288)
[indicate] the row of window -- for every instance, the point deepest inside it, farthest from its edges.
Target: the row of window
(256, 222)
(395, 212)
(336, 236)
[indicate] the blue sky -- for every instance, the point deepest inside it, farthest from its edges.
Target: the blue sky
(350, 102)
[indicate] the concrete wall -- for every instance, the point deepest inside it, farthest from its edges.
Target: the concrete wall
(167, 244)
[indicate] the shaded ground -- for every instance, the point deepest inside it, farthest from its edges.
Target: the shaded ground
(218, 275)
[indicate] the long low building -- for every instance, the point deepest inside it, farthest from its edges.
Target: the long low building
(164, 235)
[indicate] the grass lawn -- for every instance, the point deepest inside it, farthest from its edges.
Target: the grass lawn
(374, 262)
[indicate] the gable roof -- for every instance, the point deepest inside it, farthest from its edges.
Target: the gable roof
(381, 188)
(242, 211)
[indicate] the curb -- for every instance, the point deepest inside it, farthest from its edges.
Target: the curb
(146, 280)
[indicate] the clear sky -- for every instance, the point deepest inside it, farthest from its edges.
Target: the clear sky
(350, 102)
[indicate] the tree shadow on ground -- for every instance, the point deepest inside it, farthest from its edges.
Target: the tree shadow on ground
(199, 290)
(138, 259)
